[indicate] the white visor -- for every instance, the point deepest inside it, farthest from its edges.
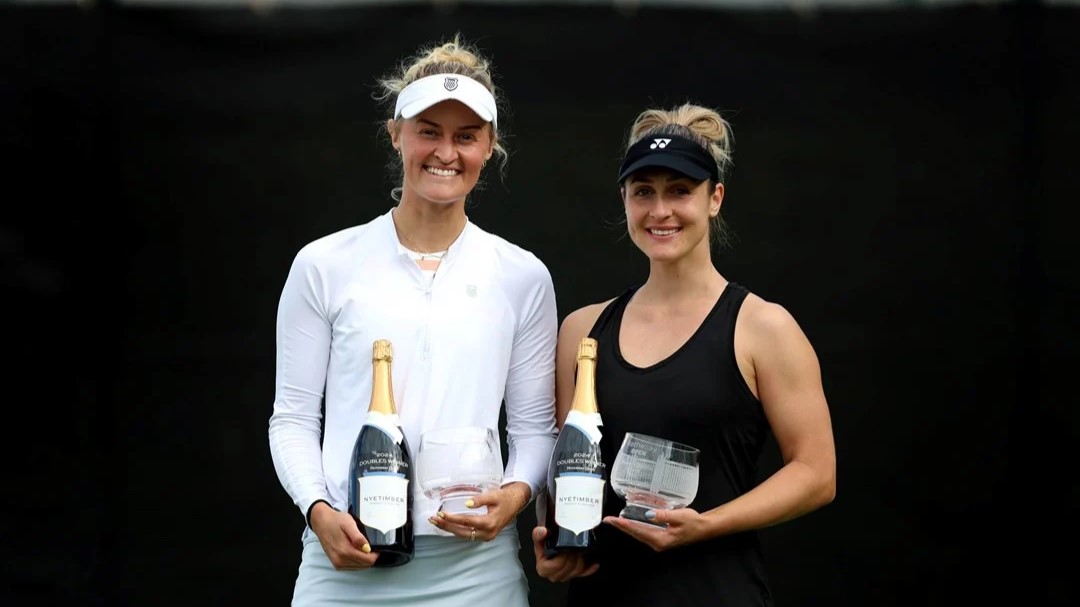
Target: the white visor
(426, 92)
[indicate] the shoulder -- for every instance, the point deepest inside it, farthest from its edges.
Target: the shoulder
(514, 261)
(325, 265)
(581, 321)
(769, 326)
(764, 312)
(578, 323)
(344, 244)
(764, 316)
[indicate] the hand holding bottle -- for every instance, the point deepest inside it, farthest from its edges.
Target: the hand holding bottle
(503, 504)
(562, 566)
(380, 471)
(341, 539)
(571, 506)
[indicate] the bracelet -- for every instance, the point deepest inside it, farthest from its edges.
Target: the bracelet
(528, 498)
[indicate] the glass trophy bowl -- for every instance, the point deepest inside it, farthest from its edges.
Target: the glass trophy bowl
(654, 474)
(455, 464)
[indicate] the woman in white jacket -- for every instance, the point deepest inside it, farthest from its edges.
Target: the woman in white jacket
(473, 323)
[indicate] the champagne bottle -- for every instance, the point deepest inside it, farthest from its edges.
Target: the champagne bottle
(576, 473)
(380, 471)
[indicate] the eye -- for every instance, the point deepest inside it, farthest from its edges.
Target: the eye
(641, 191)
(429, 132)
(467, 137)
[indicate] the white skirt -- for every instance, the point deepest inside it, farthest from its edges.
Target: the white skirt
(445, 572)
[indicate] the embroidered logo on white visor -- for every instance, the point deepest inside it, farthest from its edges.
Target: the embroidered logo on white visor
(426, 92)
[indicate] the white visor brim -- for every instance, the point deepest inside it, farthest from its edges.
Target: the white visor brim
(426, 92)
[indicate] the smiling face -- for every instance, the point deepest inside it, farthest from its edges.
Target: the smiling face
(443, 150)
(668, 214)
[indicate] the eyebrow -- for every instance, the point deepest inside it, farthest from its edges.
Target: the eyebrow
(467, 127)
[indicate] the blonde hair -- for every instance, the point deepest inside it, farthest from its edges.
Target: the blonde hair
(700, 124)
(452, 57)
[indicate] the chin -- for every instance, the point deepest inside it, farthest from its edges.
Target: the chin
(658, 253)
(663, 258)
(443, 196)
(451, 193)
(664, 254)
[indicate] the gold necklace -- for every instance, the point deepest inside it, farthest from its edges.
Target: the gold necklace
(409, 244)
(425, 254)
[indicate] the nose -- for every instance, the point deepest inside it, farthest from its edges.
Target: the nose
(660, 208)
(445, 151)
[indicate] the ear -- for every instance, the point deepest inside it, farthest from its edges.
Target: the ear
(716, 200)
(395, 134)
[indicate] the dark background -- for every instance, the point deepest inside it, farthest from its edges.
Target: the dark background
(901, 182)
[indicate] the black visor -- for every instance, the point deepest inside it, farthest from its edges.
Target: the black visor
(670, 152)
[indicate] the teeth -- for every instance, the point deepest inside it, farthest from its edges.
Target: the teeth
(663, 232)
(441, 172)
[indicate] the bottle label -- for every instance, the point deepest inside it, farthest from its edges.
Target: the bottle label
(387, 423)
(579, 500)
(383, 500)
(589, 423)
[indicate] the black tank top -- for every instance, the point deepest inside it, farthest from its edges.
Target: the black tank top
(696, 396)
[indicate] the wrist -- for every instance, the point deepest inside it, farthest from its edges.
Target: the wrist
(312, 508)
(522, 491)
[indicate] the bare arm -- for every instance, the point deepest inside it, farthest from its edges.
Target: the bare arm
(782, 368)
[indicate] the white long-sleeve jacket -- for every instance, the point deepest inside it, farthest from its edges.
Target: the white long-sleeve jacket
(483, 330)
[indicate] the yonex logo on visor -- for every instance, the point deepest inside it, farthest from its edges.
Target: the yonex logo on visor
(675, 153)
(425, 92)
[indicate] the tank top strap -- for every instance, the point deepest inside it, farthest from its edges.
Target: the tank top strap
(730, 303)
(612, 313)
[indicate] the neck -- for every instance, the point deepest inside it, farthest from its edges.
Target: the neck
(686, 278)
(428, 228)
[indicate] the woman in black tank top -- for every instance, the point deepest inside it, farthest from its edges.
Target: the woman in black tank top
(693, 357)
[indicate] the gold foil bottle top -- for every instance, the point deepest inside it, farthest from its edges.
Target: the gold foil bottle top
(586, 349)
(584, 399)
(381, 350)
(382, 386)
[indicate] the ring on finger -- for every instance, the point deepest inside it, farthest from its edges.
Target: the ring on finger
(472, 536)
